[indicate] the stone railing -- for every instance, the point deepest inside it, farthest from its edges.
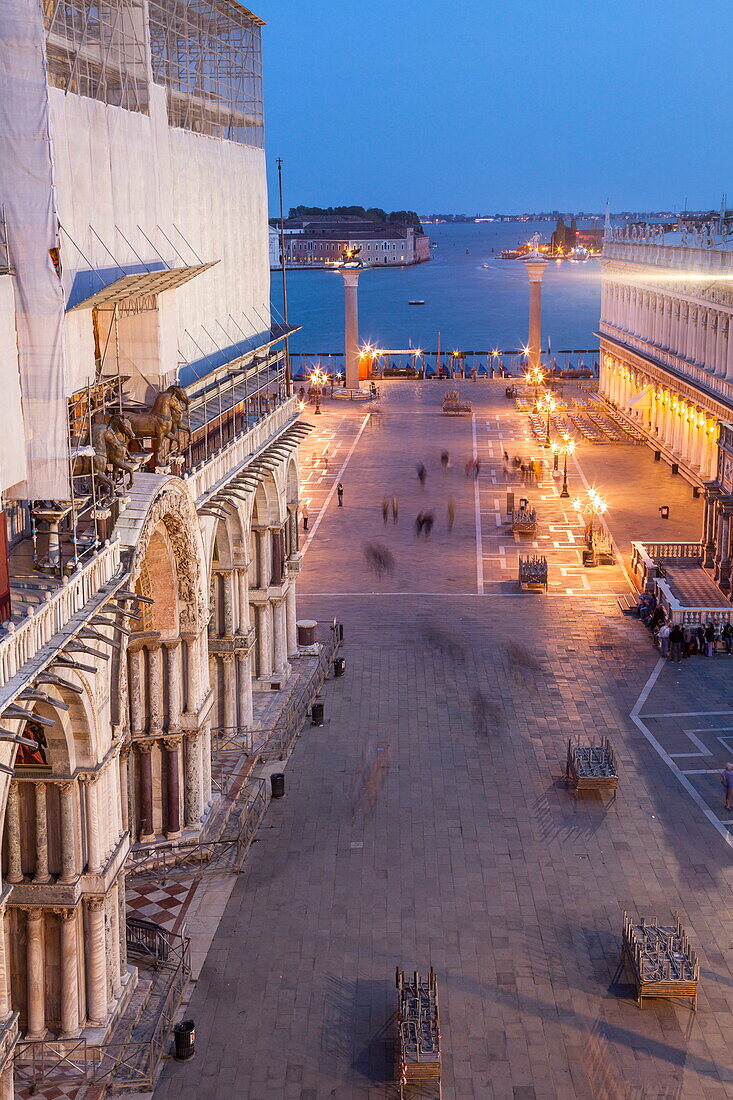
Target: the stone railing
(646, 557)
(22, 641)
(695, 374)
(682, 615)
(664, 255)
(208, 474)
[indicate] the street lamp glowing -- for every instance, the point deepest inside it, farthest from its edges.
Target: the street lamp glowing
(548, 404)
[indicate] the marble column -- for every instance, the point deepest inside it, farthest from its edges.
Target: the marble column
(35, 976)
(173, 810)
(721, 349)
(113, 945)
(96, 954)
(291, 618)
(350, 277)
(94, 847)
(193, 792)
(155, 698)
(729, 353)
(244, 691)
(243, 583)
(173, 672)
(535, 268)
(264, 643)
(41, 872)
(145, 783)
(280, 642)
(125, 787)
(206, 762)
(15, 869)
(229, 689)
(264, 557)
(69, 973)
(228, 601)
(135, 689)
(67, 796)
(7, 1083)
(5, 1002)
(193, 674)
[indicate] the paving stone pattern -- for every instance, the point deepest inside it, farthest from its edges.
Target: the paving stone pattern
(428, 823)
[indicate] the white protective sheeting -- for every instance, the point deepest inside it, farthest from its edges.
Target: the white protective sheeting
(26, 192)
(12, 436)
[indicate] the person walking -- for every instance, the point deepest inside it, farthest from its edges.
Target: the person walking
(727, 780)
(709, 640)
(727, 636)
(428, 521)
(304, 513)
(676, 638)
(451, 513)
(663, 639)
(394, 509)
(421, 474)
(340, 494)
(444, 460)
(419, 524)
(385, 510)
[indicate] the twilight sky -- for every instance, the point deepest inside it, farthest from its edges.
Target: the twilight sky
(498, 104)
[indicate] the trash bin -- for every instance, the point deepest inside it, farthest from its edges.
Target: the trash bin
(675, 468)
(657, 456)
(317, 714)
(277, 785)
(339, 666)
(185, 1039)
(664, 511)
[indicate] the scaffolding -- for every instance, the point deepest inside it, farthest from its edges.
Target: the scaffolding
(97, 49)
(208, 55)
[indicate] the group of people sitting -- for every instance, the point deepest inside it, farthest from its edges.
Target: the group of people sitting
(678, 641)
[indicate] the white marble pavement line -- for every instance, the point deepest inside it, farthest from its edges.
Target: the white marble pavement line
(332, 490)
(638, 720)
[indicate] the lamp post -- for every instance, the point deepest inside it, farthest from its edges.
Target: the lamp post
(566, 448)
(547, 404)
(317, 379)
(594, 505)
(535, 376)
(554, 447)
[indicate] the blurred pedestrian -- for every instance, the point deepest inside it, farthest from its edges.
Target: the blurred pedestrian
(304, 513)
(421, 474)
(727, 780)
(428, 520)
(385, 510)
(676, 638)
(476, 468)
(340, 494)
(444, 459)
(451, 513)
(394, 509)
(419, 524)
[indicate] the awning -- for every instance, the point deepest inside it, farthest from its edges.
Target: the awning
(643, 399)
(140, 285)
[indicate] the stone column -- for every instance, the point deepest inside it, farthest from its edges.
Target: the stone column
(229, 690)
(125, 788)
(244, 691)
(264, 557)
(96, 962)
(193, 675)
(206, 762)
(135, 689)
(721, 348)
(173, 811)
(729, 354)
(35, 976)
(94, 848)
(69, 973)
(173, 670)
(68, 833)
(145, 783)
(535, 268)
(15, 870)
(292, 618)
(41, 873)
(280, 641)
(155, 701)
(351, 325)
(113, 944)
(5, 1003)
(243, 583)
(264, 646)
(194, 805)
(122, 929)
(228, 609)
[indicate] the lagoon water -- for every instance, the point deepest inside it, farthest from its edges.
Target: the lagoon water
(474, 308)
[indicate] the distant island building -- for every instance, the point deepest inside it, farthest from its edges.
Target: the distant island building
(319, 241)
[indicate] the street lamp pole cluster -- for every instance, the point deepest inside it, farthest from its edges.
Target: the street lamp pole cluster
(535, 376)
(547, 404)
(565, 447)
(318, 378)
(593, 505)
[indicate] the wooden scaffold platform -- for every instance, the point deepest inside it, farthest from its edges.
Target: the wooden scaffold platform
(591, 767)
(418, 1023)
(661, 960)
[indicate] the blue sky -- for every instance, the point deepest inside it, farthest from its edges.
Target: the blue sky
(498, 104)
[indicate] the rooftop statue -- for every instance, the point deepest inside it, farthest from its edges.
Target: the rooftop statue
(163, 423)
(351, 257)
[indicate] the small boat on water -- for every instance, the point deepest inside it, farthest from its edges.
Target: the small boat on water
(416, 302)
(484, 265)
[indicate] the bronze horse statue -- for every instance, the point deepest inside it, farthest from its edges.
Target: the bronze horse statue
(163, 422)
(109, 442)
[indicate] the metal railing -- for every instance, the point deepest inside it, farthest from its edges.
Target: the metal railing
(120, 1065)
(147, 940)
(22, 642)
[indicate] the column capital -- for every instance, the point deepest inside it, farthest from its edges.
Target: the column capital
(34, 913)
(144, 746)
(65, 785)
(172, 743)
(64, 914)
(89, 777)
(95, 903)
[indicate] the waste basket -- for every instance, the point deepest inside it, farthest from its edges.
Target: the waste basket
(664, 511)
(339, 666)
(317, 714)
(675, 468)
(184, 1035)
(277, 785)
